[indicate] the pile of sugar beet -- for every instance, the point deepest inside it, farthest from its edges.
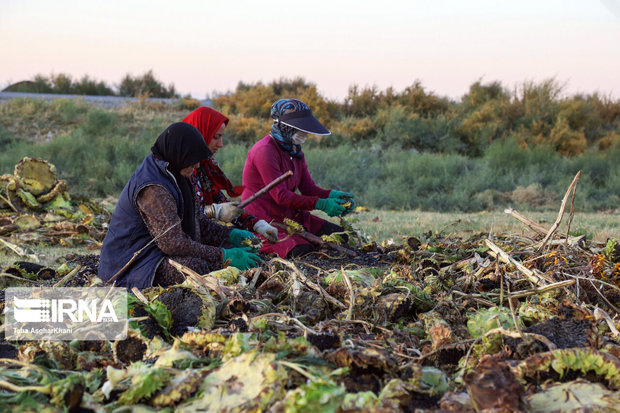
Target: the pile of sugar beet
(500, 323)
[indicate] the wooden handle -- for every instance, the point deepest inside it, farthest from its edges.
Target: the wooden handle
(266, 189)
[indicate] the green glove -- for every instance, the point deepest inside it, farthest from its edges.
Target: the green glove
(340, 195)
(237, 236)
(242, 258)
(343, 198)
(330, 206)
(350, 207)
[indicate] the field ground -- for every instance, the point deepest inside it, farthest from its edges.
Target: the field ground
(382, 225)
(48, 256)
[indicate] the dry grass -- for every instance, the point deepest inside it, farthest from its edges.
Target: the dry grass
(382, 225)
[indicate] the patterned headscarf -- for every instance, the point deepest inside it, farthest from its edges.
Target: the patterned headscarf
(283, 133)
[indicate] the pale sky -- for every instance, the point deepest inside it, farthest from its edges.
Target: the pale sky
(206, 46)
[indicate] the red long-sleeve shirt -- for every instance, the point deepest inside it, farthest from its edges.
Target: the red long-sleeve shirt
(265, 162)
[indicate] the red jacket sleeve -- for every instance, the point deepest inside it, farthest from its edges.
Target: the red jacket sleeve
(307, 185)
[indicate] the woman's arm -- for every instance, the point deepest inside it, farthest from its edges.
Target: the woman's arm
(245, 221)
(159, 213)
(307, 186)
(211, 232)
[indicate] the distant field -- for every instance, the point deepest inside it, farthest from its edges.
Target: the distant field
(382, 225)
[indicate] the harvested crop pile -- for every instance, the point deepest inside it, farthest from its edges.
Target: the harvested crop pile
(36, 209)
(436, 324)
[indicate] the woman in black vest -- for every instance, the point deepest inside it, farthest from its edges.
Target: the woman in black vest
(157, 213)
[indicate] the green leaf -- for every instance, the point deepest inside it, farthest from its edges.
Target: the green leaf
(315, 397)
(144, 385)
(482, 321)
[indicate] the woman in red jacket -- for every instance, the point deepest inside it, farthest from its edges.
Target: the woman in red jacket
(274, 155)
(209, 180)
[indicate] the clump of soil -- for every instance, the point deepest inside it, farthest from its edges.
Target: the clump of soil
(7, 351)
(564, 333)
(421, 401)
(89, 270)
(327, 261)
(324, 341)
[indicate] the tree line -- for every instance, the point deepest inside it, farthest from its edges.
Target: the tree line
(145, 85)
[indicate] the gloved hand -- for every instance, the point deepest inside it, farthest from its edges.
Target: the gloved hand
(340, 195)
(330, 206)
(237, 236)
(343, 198)
(266, 230)
(242, 258)
(226, 212)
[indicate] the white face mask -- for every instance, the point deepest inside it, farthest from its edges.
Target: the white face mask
(299, 137)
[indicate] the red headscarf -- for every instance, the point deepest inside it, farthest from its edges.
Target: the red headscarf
(208, 121)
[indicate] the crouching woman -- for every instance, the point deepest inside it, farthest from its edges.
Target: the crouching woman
(158, 218)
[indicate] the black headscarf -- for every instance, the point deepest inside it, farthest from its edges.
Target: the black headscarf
(182, 145)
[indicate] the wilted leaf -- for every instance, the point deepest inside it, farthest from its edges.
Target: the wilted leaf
(27, 222)
(172, 355)
(247, 382)
(180, 387)
(228, 275)
(575, 397)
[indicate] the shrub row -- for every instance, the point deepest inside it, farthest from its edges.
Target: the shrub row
(97, 150)
(533, 114)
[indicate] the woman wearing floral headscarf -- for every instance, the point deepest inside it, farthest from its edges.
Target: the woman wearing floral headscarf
(209, 180)
(274, 155)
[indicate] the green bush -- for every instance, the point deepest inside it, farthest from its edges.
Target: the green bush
(88, 86)
(396, 126)
(101, 163)
(493, 149)
(145, 85)
(99, 122)
(6, 137)
(535, 112)
(68, 111)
